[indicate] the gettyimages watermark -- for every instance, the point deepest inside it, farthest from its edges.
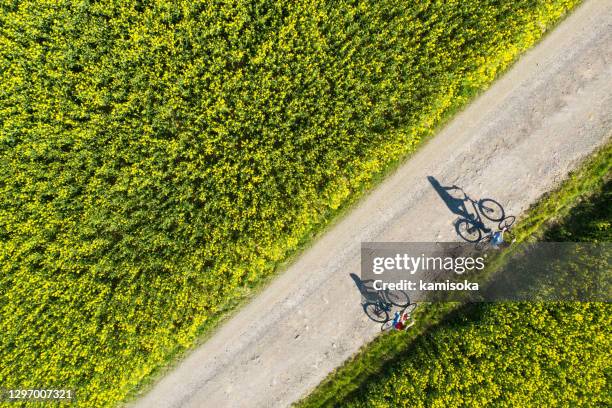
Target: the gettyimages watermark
(544, 271)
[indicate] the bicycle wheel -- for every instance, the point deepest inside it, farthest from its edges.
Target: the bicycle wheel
(507, 222)
(388, 325)
(491, 209)
(483, 243)
(375, 312)
(396, 298)
(468, 230)
(409, 309)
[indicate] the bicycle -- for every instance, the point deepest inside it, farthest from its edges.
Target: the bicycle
(504, 225)
(406, 313)
(378, 310)
(471, 229)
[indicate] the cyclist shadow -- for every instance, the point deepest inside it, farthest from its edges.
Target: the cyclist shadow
(375, 304)
(470, 225)
(368, 293)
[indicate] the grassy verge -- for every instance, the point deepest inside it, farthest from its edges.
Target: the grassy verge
(160, 161)
(577, 210)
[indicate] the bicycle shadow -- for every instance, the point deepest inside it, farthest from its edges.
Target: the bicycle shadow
(470, 225)
(375, 305)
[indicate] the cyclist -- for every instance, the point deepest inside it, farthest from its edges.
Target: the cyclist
(497, 238)
(399, 321)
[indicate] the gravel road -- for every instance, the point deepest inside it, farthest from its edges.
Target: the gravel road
(515, 142)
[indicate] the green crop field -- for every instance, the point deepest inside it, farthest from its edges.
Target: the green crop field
(159, 158)
(500, 354)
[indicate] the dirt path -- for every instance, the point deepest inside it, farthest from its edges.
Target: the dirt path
(514, 143)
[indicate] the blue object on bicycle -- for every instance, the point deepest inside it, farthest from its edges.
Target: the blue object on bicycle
(497, 238)
(396, 318)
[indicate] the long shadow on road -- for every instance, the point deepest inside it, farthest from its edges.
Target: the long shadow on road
(471, 225)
